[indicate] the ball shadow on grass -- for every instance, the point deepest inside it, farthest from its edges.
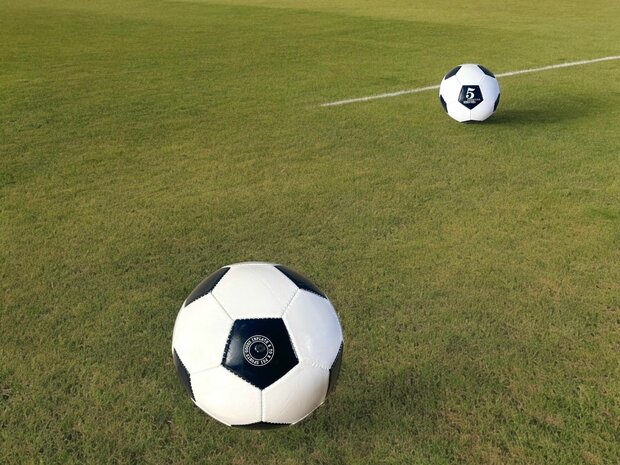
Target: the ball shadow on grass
(370, 412)
(554, 109)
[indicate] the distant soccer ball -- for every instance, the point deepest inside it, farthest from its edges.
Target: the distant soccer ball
(469, 93)
(257, 345)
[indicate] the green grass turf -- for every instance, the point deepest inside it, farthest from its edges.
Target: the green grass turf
(476, 268)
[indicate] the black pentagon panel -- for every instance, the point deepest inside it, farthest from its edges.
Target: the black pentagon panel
(259, 351)
(496, 102)
(183, 374)
(206, 285)
(334, 371)
(452, 72)
(300, 280)
(470, 96)
(486, 71)
(443, 103)
(262, 425)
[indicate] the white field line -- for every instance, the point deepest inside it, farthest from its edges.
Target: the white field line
(509, 73)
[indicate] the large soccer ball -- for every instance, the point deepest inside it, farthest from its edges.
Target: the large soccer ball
(469, 93)
(257, 345)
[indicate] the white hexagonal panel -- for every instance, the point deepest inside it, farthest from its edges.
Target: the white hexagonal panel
(482, 111)
(295, 395)
(450, 89)
(254, 290)
(490, 90)
(469, 74)
(458, 111)
(200, 333)
(226, 397)
(314, 329)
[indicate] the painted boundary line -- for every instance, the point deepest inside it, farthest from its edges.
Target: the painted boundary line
(509, 73)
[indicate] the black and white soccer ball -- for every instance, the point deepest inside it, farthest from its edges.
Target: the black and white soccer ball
(469, 93)
(257, 345)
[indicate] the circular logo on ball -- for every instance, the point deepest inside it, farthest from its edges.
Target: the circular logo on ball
(258, 350)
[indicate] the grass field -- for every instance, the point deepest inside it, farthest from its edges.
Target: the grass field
(475, 268)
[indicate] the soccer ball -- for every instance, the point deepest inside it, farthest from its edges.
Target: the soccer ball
(257, 345)
(469, 93)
